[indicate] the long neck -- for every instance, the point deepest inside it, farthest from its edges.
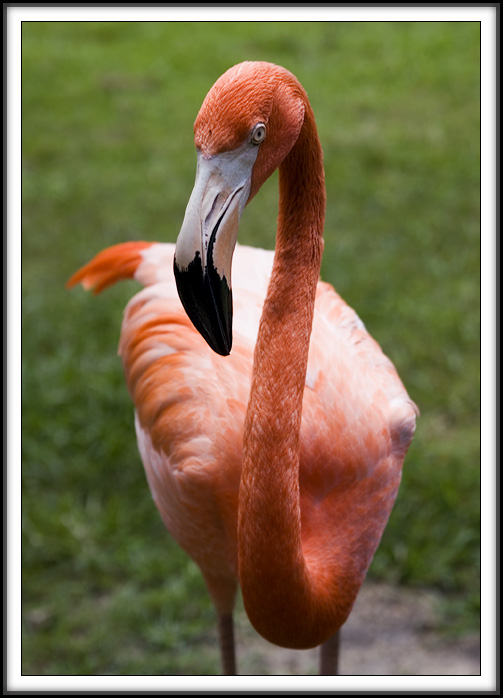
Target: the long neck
(280, 591)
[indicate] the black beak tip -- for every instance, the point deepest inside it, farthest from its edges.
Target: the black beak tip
(224, 349)
(207, 300)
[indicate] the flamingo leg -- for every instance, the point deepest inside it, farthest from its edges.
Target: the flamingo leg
(329, 656)
(227, 646)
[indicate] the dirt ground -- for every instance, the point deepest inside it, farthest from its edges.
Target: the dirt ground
(391, 632)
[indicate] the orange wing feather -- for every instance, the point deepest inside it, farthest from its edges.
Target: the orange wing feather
(109, 266)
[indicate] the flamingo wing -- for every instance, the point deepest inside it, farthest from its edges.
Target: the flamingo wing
(189, 402)
(357, 423)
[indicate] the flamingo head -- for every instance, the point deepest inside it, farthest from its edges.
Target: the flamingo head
(247, 125)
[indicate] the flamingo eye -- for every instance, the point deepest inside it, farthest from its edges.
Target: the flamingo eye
(258, 134)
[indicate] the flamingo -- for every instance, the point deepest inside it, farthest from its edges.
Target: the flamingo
(274, 454)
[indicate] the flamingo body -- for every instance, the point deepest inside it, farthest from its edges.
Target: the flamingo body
(276, 465)
(190, 406)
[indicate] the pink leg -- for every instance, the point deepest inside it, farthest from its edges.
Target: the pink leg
(329, 656)
(226, 638)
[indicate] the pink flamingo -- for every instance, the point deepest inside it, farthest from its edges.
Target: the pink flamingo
(274, 465)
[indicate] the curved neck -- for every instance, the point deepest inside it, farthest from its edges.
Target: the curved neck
(278, 585)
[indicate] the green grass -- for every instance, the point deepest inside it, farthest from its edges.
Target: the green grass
(108, 156)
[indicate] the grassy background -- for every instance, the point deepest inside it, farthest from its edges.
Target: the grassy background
(108, 156)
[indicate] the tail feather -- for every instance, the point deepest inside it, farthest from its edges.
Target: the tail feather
(109, 266)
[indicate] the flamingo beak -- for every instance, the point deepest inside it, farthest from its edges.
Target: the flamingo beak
(206, 242)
